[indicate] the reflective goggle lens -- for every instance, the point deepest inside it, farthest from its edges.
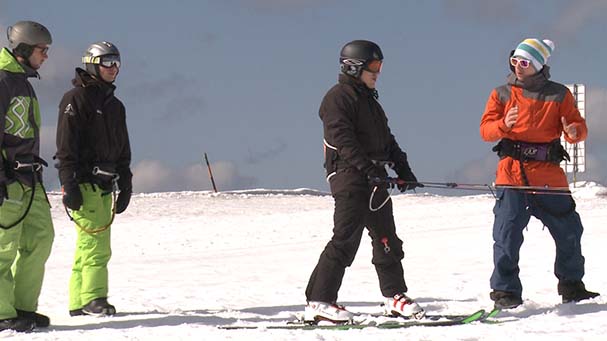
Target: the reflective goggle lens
(109, 61)
(374, 66)
(524, 63)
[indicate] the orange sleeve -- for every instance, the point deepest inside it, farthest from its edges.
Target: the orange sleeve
(493, 127)
(570, 112)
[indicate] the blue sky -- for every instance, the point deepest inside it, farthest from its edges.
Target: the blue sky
(243, 80)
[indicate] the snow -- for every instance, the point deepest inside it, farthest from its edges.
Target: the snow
(185, 263)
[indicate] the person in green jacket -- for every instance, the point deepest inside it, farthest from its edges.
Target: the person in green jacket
(26, 227)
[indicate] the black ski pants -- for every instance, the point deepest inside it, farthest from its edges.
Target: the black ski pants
(350, 218)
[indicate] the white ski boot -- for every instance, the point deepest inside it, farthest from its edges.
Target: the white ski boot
(323, 311)
(403, 305)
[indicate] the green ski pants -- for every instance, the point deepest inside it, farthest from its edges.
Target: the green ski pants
(89, 279)
(24, 248)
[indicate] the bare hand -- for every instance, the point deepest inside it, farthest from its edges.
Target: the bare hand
(511, 117)
(569, 129)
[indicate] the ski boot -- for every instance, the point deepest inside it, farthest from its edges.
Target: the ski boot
(41, 321)
(323, 311)
(98, 307)
(505, 299)
(17, 324)
(76, 312)
(402, 305)
(574, 291)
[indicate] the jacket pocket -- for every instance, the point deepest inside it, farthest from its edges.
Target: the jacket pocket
(499, 195)
(13, 206)
(330, 159)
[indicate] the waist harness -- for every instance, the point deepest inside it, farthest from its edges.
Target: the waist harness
(552, 152)
(525, 151)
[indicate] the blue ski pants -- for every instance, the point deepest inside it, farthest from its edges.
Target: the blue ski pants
(513, 210)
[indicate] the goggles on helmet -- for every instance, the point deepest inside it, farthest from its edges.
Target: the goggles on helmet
(110, 60)
(105, 61)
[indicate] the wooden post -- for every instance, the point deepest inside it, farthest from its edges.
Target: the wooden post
(206, 159)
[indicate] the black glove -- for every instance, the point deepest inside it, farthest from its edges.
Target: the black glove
(405, 173)
(72, 198)
(123, 200)
(375, 175)
(126, 189)
(3, 192)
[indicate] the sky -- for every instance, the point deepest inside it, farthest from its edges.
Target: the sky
(242, 80)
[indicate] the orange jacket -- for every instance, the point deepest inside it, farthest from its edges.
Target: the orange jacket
(541, 104)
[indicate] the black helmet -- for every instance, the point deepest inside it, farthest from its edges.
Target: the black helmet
(97, 53)
(355, 55)
(25, 35)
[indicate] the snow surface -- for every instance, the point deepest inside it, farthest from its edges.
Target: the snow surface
(185, 263)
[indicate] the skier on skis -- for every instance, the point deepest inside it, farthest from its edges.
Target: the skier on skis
(528, 116)
(27, 233)
(94, 157)
(358, 144)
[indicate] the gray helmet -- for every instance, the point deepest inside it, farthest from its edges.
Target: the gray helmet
(25, 35)
(95, 53)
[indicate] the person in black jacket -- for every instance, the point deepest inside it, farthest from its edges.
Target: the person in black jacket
(358, 145)
(94, 164)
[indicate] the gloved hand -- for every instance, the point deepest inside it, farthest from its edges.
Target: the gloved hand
(123, 200)
(3, 192)
(72, 198)
(374, 175)
(126, 189)
(405, 173)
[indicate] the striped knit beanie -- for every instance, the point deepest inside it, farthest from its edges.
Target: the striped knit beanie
(537, 51)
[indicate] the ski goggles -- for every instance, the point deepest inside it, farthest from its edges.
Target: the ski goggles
(524, 63)
(374, 66)
(43, 49)
(109, 61)
(105, 61)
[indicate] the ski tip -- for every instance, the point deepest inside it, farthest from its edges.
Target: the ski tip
(475, 316)
(493, 313)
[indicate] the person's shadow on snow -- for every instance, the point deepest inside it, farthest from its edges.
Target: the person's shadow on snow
(564, 309)
(202, 317)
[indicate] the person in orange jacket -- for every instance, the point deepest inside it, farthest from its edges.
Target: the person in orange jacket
(528, 116)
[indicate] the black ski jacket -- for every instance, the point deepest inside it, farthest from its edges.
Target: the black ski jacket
(92, 132)
(20, 117)
(356, 130)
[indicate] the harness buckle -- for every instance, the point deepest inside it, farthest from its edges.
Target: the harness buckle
(113, 176)
(382, 163)
(34, 166)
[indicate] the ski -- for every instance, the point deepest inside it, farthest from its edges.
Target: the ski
(489, 317)
(434, 316)
(424, 322)
(430, 317)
